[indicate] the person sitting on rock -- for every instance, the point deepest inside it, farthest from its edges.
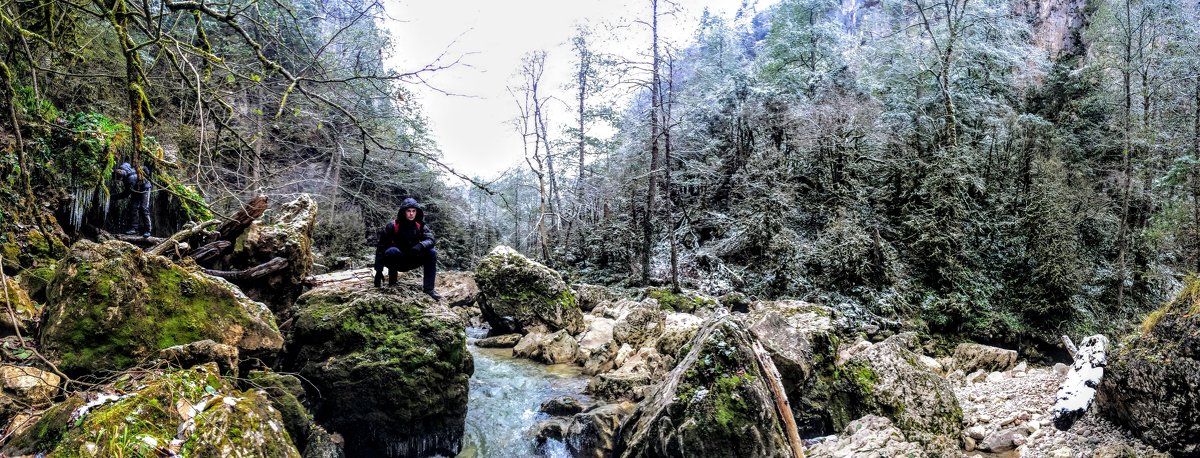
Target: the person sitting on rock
(405, 244)
(140, 189)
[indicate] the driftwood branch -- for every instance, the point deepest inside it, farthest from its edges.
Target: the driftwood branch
(1077, 391)
(258, 271)
(771, 373)
(345, 276)
(175, 240)
(230, 229)
(208, 252)
(1070, 345)
(138, 240)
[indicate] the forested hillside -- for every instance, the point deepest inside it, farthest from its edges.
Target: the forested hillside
(1000, 169)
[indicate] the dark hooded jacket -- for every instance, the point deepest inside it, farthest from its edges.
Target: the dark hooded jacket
(404, 234)
(131, 182)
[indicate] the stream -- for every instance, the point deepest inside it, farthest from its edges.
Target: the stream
(506, 393)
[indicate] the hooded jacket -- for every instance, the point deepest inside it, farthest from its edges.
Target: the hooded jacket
(404, 234)
(131, 182)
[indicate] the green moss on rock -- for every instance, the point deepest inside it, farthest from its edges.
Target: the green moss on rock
(517, 294)
(111, 305)
(389, 368)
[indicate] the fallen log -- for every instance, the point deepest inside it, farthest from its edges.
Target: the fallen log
(767, 365)
(208, 252)
(259, 271)
(176, 239)
(1076, 393)
(345, 276)
(138, 240)
(232, 228)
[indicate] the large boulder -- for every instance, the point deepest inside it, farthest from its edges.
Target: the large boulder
(971, 357)
(589, 296)
(458, 288)
(111, 305)
(715, 403)
(193, 413)
(286, 234)
(639, 326)
(594, 433)
(518, 294)
(385, 368)
(1151, 383)
(887, 379)
(801, 341)
(23, 387)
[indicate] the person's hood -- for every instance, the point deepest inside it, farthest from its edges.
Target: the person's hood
(128, 169)
(411, 203)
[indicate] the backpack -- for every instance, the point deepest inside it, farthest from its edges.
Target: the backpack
(396, 230)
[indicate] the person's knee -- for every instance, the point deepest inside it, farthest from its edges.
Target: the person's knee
(432, 253)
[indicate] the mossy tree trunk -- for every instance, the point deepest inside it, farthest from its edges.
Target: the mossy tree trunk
(135, 80)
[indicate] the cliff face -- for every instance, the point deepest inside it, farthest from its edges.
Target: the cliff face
(1056, 24)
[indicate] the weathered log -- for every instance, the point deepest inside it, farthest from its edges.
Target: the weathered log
(1076, 393)
(259, 271)
(176, 239)
(210, 251)
(137, 239)
(771, 373)
(344, 276)
(232, 228)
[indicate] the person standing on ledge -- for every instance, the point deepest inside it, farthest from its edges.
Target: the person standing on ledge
(405, 244)
(140, 189)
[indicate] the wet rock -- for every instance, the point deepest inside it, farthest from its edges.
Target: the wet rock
(553, 428)
(111, 305)
(599, 332)
(24, 309)
(204, 351)
(601, 360)
(405, 357)
(887, 380)
(972, 357)
(615, 386)
(554, 348)
(594, 433)
(1152, 378)
(562, 406)
(800, 338)
(504, 341)
(517, 294)
(714, 403)
(639, 326)
(193, 412)
(868, 437)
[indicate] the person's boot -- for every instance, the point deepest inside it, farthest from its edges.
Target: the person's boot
(392, 277)
(378, 279)
(434, 294)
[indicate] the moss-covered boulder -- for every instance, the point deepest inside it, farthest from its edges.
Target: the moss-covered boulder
(715, 403)
(284, 233)
(111, 305)
(801, 341)
(25, 246)
(1151, 383)
(518, 294)
(386, 368)
(24, 309)
(887, 379)
(193, 413)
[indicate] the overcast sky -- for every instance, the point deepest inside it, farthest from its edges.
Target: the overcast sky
(474, 129)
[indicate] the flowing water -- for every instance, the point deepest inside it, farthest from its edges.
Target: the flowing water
(502, 409)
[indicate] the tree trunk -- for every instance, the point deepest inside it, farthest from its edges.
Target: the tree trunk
(651, 188)
(1126, 152)
(672, 225)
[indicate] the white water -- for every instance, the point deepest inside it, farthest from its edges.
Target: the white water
(502, 408)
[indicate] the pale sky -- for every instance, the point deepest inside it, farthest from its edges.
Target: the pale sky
(474, 130)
